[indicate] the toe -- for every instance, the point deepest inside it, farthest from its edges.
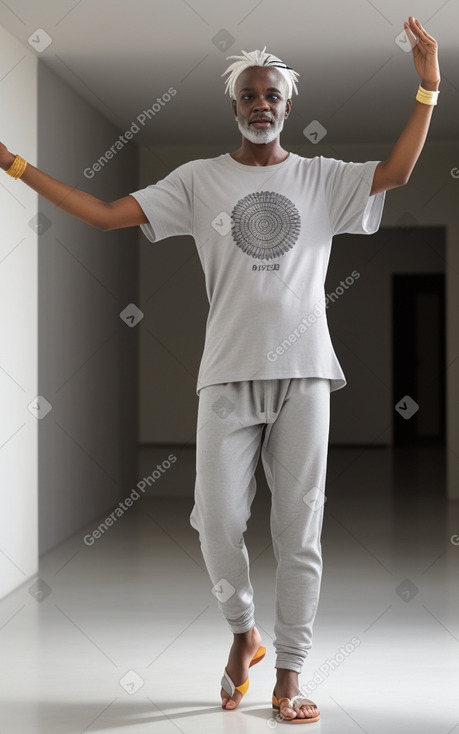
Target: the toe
(309, 711)
(233, 702)
(225, 697)
(287, 712)
(299, 710)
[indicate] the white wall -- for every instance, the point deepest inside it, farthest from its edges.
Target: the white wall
(63, 285)
(88, 355)
(175, 304)
(18, 323)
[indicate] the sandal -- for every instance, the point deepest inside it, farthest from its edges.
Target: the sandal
(228, 685)
(305, 720)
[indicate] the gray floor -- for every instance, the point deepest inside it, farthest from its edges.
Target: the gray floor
(125, 635)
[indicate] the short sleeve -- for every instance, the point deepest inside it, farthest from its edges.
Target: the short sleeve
(347, 190)
(167, 205)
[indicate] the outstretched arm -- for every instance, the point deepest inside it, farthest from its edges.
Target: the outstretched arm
(104, 215)
(396, 170)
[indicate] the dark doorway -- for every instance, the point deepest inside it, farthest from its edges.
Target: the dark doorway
(418, 366)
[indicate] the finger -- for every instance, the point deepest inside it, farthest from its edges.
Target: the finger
(422, 31)
(428, 44)
(416, 26)
(428, 38)
(415, 29)
(420, 39)
(411, 36)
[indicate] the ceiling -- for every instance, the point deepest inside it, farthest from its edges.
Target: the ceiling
(354, 78)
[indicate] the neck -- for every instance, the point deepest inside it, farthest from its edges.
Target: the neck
(260, 154)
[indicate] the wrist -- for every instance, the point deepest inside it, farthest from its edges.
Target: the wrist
(430, 86)
(8, 162)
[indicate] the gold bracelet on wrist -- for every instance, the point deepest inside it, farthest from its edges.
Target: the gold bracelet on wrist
(17, 167)
(427, 97)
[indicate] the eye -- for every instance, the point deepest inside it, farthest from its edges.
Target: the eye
(246, 96)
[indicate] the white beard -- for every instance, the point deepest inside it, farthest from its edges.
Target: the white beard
(256, 135)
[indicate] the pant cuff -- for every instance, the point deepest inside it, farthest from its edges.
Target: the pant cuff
(243, 623)
(290, 661)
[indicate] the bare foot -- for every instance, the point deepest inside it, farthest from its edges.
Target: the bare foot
(287, 686)
(243, 649)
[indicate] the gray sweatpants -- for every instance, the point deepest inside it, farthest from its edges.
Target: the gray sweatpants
(288, 421)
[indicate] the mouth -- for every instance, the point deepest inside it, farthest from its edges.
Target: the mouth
(261, 123)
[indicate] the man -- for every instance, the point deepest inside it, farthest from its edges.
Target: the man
(263, 220)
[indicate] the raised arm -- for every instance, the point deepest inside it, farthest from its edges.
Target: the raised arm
(124, 212)
(396, 170)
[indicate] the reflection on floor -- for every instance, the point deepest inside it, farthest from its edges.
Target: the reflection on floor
(121, 633)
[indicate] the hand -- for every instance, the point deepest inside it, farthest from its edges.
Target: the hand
(6, 158)
(425, 53)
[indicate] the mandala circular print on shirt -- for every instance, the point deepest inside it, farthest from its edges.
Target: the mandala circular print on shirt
(265, 224)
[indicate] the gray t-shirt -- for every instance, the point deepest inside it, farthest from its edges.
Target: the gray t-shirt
(264, 235)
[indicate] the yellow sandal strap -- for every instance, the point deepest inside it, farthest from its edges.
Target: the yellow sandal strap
(243, 688)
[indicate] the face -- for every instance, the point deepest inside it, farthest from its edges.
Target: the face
(261, 93)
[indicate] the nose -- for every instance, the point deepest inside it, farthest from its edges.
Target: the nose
(261, 104)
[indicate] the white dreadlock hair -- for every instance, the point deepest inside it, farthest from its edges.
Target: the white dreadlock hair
(258, 58)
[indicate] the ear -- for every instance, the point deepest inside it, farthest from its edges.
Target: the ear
(288, 107)
(233, 102)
